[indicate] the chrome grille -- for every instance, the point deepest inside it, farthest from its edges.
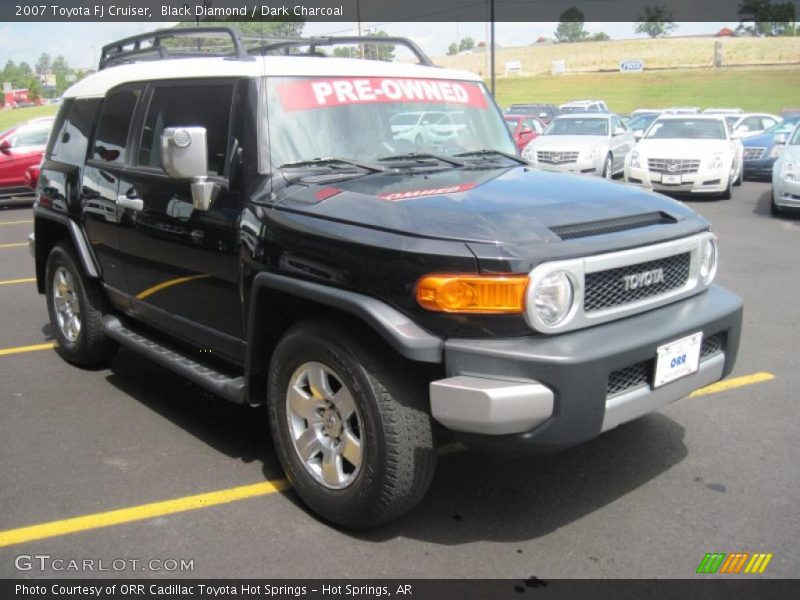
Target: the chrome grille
(635, 375)
(605, 289)
(673, 166)
(754, 153)
(556, 158)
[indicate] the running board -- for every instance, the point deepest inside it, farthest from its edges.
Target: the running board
(230, 388)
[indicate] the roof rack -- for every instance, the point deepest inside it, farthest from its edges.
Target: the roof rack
(149, 46)
(287, 44)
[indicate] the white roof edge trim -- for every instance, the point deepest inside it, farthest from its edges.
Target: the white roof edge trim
(97, 84)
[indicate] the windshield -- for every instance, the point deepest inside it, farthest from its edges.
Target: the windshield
(588, 126)
(642, 122)
(692, 129)
(371, 118)
(786, 126)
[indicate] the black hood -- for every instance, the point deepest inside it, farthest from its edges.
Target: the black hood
(507, 205)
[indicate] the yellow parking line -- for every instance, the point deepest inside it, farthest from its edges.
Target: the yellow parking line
(21, 349)
(17, 245)
(187, 503)
(736, 382)
(13, 281)
(139, 513)
(15, 222)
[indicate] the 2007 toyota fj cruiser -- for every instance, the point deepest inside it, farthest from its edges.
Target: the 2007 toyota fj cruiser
(357, 245)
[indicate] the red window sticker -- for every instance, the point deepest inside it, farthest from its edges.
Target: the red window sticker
(409, 195)
(325, 93)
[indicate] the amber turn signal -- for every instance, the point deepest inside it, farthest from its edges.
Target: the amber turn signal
(460, 293)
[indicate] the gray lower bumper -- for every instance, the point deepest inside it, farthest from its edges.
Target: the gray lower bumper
(575, 368)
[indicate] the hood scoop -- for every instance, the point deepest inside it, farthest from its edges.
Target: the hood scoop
(579, 230)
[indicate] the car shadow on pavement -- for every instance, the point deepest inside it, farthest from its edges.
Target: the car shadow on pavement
(476, 498)
(235, 430)
(473, 497)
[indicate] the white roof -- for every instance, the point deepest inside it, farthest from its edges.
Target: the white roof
(99, 83)
(700, 117)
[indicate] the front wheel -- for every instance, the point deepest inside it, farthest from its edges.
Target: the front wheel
(350, 424)
(726, 195)
(608, 169)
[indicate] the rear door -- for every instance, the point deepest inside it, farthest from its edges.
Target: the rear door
(105, 164)
(182, 264)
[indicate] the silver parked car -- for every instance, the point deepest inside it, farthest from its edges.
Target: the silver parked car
(588, 143)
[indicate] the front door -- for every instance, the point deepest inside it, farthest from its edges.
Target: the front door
(182, 264)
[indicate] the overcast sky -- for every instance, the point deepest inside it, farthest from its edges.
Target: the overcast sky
(80, 43)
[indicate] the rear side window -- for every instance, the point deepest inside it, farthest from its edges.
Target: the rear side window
(115, 122)
(72, 138)
(203, 105)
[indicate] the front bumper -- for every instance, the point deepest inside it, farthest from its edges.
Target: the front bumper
(786, 193)
(758, 168)
(704, 181)
(575, 368)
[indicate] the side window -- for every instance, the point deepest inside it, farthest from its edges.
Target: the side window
(72, 139)
(200, 105)
(32, 135)
(115, 122)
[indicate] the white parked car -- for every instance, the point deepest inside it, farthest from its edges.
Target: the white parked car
(415, 126)
(743, 126)
(581, 106)
(786, 176)
(687, 154)
(587, 143)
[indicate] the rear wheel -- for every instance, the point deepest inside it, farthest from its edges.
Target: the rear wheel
(76, 306)
(774, 209)
(350, 424)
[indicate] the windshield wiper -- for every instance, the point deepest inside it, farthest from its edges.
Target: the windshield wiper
(489, 153)
(424, 156)
(332, 162)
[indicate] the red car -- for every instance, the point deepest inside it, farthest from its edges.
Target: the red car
(523, 128)
(21, 147)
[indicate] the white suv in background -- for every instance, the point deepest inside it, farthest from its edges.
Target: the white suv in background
(580, 106)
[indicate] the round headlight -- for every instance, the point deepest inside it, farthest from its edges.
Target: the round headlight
(708, 260)
(553, 296)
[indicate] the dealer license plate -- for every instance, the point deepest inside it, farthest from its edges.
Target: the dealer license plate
(677, 359)
(671, 179)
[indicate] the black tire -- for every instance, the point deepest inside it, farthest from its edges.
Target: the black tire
(608, 167)
(92, 346)
(726, 195)
(398, 458)
(774, 209)
(740, 178)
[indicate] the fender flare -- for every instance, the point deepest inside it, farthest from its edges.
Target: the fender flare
(79, 242)
(406, 337)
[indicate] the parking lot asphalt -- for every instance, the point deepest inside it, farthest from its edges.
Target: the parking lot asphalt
(712, 473)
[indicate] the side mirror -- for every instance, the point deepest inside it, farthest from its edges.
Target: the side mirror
(781, 139)
(742, 129)
(637, 134)
(184, 153)
(619, 131)
(5, 147)
(526, 130)
(542, 115)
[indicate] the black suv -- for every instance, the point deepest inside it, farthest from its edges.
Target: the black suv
(282, 228)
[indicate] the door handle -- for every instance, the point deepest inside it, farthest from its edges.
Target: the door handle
(124, 201)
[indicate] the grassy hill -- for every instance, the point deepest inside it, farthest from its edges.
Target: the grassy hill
(763, 89)
(661, 53)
